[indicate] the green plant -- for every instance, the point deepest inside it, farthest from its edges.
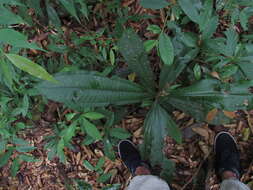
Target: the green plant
(90, 89)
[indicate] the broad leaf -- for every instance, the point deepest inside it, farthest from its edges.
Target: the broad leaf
(8, 18)
(154, 4)
(80, 90)
(190, 9)
(70, 7)
(157, 125)
(166, 49)
(16, 39)
(30, 67)
(132, 49)
(210, 27)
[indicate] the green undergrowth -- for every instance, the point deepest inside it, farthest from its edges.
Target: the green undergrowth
(202, 52)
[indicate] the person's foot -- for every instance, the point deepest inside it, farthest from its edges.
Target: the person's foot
(131, 158)
(227, 157)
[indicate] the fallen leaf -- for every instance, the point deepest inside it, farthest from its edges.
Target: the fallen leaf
(229, 114)
(211, 115)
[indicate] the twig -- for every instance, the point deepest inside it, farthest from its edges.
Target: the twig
(196, 173)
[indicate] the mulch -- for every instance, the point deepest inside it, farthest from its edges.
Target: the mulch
(192, 157)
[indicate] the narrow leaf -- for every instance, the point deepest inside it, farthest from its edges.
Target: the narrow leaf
(70, 7)
(93, 115)
(30, 67)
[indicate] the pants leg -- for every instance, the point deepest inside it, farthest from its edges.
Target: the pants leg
(147, 182)
(233, 184)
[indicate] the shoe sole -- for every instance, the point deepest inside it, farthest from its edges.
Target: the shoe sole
(220, 133)
(125, 141)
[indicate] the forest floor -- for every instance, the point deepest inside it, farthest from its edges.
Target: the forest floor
(193, 158)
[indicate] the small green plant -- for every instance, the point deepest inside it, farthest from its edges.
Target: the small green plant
(83, 89)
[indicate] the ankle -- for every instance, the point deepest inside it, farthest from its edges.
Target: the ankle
(141, 170)
(229, 175)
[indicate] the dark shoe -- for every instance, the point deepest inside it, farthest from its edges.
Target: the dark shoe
(227, 157)
(129, 155)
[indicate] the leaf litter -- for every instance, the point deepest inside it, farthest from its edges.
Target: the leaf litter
(191, 157)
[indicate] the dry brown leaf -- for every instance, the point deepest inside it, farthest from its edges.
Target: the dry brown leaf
(215, 75)
(229, 114)
(201, 131)
(211, 115)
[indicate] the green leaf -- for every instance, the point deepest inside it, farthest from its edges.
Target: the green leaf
(69, 133)
(244, 18)
(212, 93)
(168, 168)
(228, 71)
(19, 141)
(15, 167)
(112, 187)
(88, 165)
(70, 7)
(156, 126)
(25, 148)
(7, 72)
(59, 150)
(247, 68)
(11, 2)
(93, 115)
(100, 163)
(166, 49)
(119, 133)
(231, 43)
(91, 130)
(5, 157)
(8, 18)
(104, 177)
(112, 57)
(154, 28)
(82, 185)
(170, 73)
(190, 9)
(30, 67)
(149, 45)
(132, 49)
(28, 158)
(16, 39)
(53, 16)
(189, 39)
(2, 145)
(197, 71)
(84, 89)
(154, 4)
(210, 27)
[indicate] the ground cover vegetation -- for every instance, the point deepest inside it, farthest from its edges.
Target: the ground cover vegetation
(94, 64)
